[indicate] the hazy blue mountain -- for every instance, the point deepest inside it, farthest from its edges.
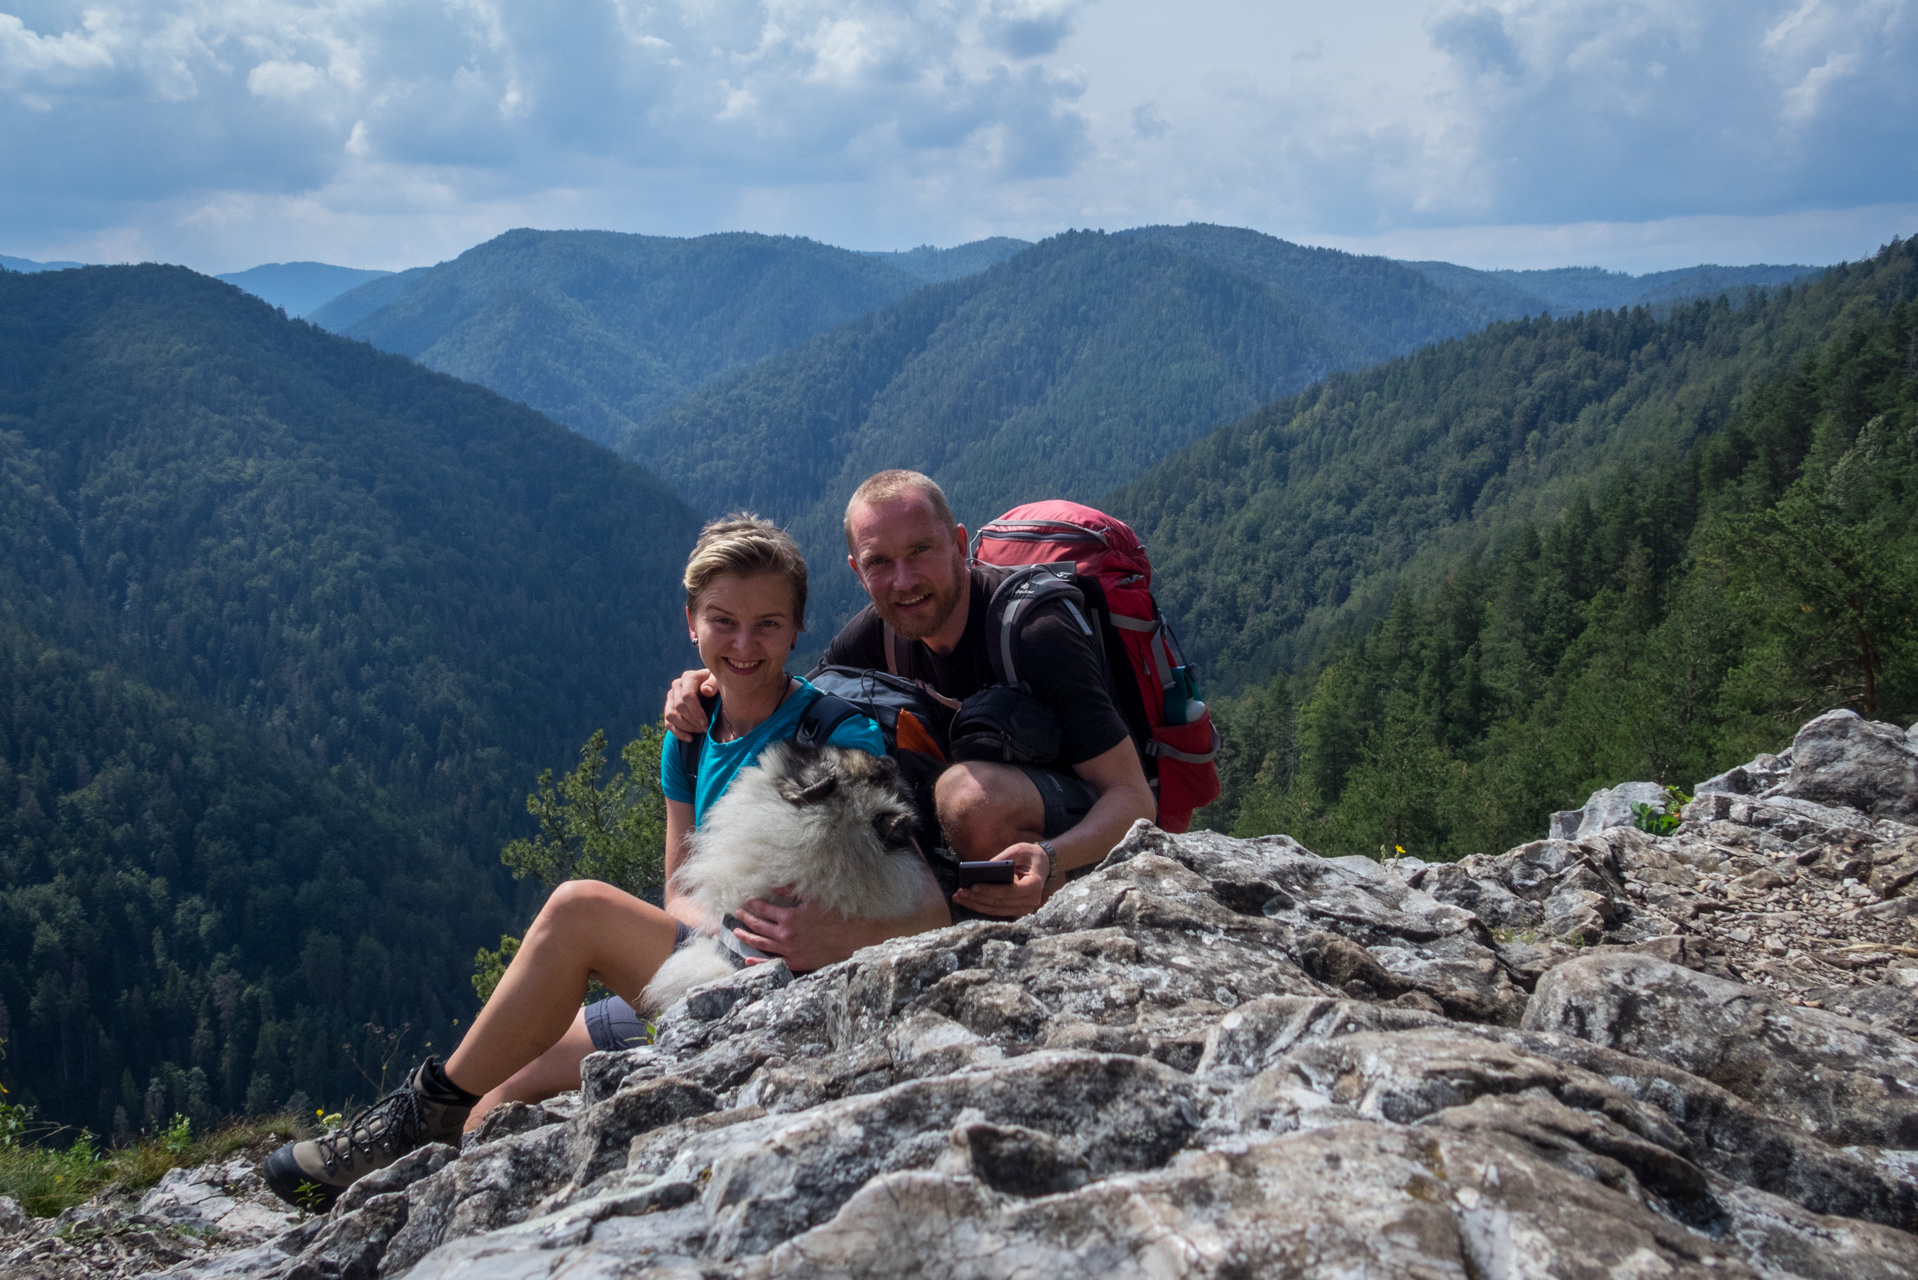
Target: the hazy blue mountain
(356, 304)
(288, 626)
(1511, 295)
(601, 330)
(29, 265)
(300, 288)
(935, 266)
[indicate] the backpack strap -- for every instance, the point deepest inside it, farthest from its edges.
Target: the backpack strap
(689, 748)
(898, 652)
(1015, 597)
(827, 712)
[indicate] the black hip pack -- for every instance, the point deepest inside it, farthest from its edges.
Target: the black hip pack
(1005, 724)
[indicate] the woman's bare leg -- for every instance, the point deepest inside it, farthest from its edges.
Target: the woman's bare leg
(554, 1071)
(529, 1028)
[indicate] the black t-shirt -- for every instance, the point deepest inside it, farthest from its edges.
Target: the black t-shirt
(1065, 667)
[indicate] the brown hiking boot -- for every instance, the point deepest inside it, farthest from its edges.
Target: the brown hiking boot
(312, 1173)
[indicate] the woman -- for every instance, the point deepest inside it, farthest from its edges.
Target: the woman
(745, 607)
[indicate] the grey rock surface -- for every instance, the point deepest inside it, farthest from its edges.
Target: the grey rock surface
(1611, 1054)
(1605, 809)
(1841, 759)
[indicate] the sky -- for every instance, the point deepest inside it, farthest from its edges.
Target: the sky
(1633, 134)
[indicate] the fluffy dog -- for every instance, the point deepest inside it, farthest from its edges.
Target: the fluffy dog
(835, 825)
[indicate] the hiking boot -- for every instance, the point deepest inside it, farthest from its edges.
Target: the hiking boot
(428, 1108)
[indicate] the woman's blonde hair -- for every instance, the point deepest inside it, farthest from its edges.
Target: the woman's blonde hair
(743, 545)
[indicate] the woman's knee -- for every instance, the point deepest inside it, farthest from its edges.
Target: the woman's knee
(576, 902)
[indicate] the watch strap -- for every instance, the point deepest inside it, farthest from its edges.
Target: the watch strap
(1052, 860)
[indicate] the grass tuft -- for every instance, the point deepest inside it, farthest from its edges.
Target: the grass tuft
(46, 1177)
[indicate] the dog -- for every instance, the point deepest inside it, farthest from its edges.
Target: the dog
(833, 824)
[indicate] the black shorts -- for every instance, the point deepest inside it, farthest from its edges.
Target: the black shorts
(614, 1024)
(1068, 798)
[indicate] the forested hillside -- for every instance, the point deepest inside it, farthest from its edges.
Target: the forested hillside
(1750, 558)
(1059, 372)
(1299, 523)
(1374, 308)
(353, 306)
(600, 329)
(288, 626)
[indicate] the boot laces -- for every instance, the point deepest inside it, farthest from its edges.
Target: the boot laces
(396, 1122)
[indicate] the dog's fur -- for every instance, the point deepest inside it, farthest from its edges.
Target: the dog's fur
(834, 824)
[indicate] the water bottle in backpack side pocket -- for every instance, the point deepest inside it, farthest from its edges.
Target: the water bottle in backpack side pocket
(1182, 705)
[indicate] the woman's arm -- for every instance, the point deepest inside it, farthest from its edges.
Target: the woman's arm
(810, 937)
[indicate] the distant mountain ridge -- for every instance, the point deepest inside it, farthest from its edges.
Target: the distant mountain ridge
(29, 266)
(1514, 295)
(935, 266)
(601, 329)
(300, 288)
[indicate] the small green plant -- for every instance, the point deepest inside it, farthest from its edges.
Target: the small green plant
(178, 1135)
(14, 1120)
(1663, 819)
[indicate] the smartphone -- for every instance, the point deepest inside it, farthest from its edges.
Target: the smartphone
(971, 873)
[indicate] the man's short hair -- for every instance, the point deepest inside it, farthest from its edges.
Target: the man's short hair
(888, 485)
(744, 545)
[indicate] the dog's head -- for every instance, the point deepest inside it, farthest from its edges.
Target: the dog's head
(860, 790)
(826, 823)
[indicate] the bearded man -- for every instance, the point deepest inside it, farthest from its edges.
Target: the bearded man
(1047, 819)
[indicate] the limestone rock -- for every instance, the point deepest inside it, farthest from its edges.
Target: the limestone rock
(1604, 1053)
(1841, 759)
(1846, 1083)
(1605, 809)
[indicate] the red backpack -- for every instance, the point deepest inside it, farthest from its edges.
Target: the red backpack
(1111, 574)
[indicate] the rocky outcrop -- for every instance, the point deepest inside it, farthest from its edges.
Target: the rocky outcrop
(203, 1214)
(1615, 1054)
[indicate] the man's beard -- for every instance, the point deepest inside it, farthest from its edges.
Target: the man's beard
(945, 598)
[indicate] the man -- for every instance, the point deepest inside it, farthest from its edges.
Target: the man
(910, 555)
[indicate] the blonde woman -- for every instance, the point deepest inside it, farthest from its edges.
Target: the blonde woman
(745, 607)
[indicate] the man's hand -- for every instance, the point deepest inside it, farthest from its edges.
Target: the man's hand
(806, 936)
(1026, 893)
(685, 718)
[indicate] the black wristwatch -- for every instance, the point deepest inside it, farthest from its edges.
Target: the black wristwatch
(1052, 859)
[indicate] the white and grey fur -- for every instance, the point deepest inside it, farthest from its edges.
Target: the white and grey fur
(833, 823)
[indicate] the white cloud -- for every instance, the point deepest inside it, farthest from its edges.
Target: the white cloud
(286, 81)
(396, 131)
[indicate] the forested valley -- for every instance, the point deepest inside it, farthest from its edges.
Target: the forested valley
(288, 626)
(1751, 562)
